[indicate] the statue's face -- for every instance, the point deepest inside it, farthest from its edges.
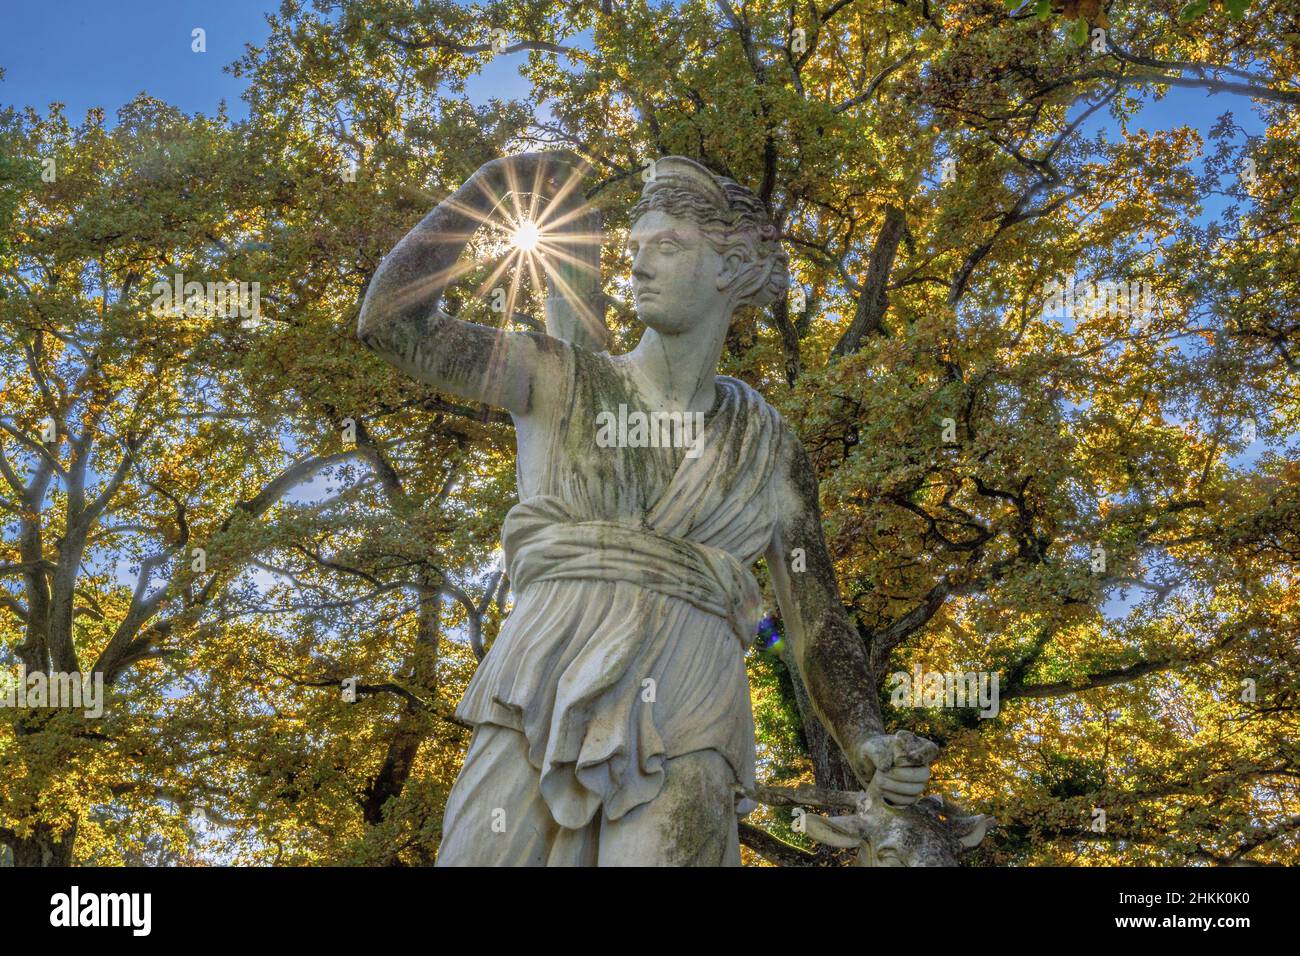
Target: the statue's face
(678, 277)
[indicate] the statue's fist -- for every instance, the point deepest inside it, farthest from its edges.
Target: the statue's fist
(900, 765)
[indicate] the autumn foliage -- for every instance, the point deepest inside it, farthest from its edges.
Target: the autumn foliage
(286, 695)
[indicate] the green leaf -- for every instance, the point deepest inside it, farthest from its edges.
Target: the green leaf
(1043, 10)
(1012, 4)
(1079, 31)
(1236, 8)
(1193, 10)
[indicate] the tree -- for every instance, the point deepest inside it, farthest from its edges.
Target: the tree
(1058, 498)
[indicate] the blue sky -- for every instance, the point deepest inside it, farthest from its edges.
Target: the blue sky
(84, 53)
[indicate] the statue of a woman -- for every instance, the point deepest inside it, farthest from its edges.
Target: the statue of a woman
(612, 717)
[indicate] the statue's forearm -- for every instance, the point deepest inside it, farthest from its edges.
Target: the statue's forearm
(833, 666)
(401, 303)
(831, 657)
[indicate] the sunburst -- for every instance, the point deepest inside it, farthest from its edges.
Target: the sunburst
(526, 237)
(549, 243)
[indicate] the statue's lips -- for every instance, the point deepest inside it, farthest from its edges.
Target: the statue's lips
(642, 293)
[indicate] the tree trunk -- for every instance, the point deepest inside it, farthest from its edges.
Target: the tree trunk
(872, 302)
(47, 846)
(412, 726)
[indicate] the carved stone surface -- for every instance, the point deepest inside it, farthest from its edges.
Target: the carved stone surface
(612, 713)
(929, 833)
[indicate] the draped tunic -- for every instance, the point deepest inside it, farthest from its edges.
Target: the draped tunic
(634, 602)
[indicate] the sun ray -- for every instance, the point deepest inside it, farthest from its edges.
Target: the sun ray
(495, 275)
(557, 253)
(475, 214)
(439, 280)
(539, 288)
(534, 197)
(581, 306)
(552, 221)
(558, 202)
(514, 190)
(513, 295)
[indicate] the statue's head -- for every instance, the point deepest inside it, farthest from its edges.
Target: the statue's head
(702, 246)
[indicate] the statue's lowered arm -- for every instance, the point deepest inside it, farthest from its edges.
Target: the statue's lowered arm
(831, 657)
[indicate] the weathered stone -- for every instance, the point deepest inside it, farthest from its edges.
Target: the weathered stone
(931, 832)
(612, 712)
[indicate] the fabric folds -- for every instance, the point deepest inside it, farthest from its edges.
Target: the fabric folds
(633, 609)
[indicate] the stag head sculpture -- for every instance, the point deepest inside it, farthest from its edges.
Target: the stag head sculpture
(931, 832)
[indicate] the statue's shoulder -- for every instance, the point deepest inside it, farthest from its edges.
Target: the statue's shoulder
(764, 417)
(788, 450)
(747, 393)
(754, 402)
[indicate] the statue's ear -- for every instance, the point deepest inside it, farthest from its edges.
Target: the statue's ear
(839, 832)
(732, 264)
(969, 831)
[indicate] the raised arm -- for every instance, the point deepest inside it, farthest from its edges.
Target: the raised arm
(830, 655)
(402, 321)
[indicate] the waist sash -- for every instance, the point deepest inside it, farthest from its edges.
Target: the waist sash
(542, 542)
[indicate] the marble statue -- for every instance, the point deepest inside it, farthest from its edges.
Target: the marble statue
(611, 716)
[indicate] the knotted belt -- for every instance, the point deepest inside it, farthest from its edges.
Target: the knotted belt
(542, 542)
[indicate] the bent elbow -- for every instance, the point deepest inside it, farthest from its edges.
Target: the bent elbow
(366, 328)
(371, 321)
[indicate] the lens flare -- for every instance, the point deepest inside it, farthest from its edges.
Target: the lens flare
(526, 236)
(538, 247)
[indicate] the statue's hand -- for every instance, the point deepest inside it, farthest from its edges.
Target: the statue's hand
(897, 766)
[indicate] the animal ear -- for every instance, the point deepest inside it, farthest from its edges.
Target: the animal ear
(833, 831)
(969, 831)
